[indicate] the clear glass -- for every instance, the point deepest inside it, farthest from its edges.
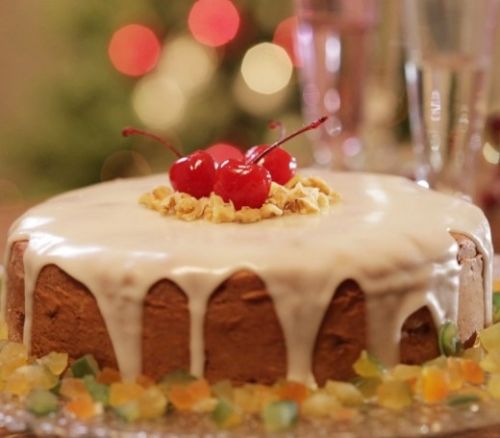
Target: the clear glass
(334, 39)
(448, 47)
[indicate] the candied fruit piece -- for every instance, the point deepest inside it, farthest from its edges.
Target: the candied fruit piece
(179, 377)
(406, 373)
(455, 373)
(82, 407)
(448, 339)
(345, 392)
(152, 403)
(29, 377)
(128, 412)
(253, 398)
(476, 353)
(320, 404)
(107, 376)
(123, 393)
(73, 388)
(85, 366)
(13, 355)
(434, 384)
(55, 362)
(367, 386)
(226, 415)
(280, 415)
(293, 391)
(472, 372)
(185, 396)
(223, 390)
(98, 391)
(367, 366)
(41, 402)
(493, 386)
(490, 338)
(394, 394)
(491, 362)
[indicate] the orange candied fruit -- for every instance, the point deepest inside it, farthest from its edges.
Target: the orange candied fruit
(122, 393)
(107, 376)
(83, 407)
(184, 397)
(472, 372)
(293, 391)
(435, 385)
(73, 389)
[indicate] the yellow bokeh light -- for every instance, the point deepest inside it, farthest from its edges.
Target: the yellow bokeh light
(258, 104)
(188, 63)
(490, 154)
(158, 102)
(266, 68)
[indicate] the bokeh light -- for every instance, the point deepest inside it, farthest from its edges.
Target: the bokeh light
(284, 36)
(266, 68)
(134, 50)
(490, 154)
(258, 104)
(158, 102)
(188, 63)
(214, 22)
(124, 164)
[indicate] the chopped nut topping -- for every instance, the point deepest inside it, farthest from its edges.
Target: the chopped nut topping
(301, 195)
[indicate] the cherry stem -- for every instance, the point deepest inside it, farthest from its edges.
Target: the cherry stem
(276, 124)
(312, 125)
(127, 132)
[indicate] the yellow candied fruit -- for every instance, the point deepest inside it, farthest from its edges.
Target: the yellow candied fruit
(29, 377)
(83, 407)
(73, 388)
(122, 393)
(493, 386)
(345, 392)
(152, 403)
(12, 356)
(394, 394)
(55, 362)
(490, 338)
(367, 366)
(253, 398)
(406, 373)
(491, 362)
(293, 391)
(184, 397)
(434, 384)
(455, 373)
(320, 404)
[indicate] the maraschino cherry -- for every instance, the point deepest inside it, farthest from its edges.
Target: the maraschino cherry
(247, 184)
(280, 164)
(193, 174)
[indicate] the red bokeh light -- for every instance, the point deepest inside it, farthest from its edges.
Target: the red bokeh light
(284, 36)
(134, 50)
(224, 151)
(214, 22)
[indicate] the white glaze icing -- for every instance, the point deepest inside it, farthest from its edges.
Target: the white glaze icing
(387, 233)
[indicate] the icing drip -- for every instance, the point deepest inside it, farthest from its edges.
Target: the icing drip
(388, 234)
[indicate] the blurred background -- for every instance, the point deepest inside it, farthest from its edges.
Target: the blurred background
(74, 73)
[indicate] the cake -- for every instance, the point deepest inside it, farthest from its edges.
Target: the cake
(297, 297)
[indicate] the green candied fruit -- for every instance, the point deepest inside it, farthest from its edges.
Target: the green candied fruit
(128, 412)
(280, 415)
(98, 391)
(496, 307)
(85, 366)
(41, 402)
(449, 342)
(462, 400)
(226, 415)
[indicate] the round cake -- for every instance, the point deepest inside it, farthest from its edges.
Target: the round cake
(297, 297)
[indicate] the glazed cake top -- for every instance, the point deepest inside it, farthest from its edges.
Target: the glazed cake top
(386, 233)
